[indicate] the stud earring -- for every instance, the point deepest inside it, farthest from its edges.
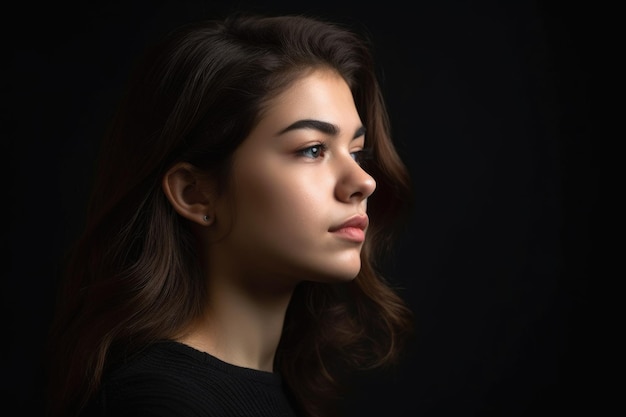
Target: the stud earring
(206, 218)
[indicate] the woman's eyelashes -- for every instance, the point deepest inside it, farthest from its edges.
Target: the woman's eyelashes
(313, 151)
(319, 151)
(362, 156)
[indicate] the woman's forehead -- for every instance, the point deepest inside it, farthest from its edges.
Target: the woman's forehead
(321, 94)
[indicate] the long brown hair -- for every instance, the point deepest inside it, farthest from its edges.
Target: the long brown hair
(133, 276)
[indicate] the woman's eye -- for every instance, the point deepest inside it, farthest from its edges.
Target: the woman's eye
(313, 152)
(361, 156)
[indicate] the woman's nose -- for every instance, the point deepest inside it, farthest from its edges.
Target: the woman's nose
(354, 184)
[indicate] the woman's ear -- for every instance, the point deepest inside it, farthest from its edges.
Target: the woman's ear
(191, 193)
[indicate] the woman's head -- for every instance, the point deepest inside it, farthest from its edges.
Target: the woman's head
(195, 98)
(196, 108)
(295, 206)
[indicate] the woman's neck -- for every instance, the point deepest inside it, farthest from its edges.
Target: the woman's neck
(242, 325)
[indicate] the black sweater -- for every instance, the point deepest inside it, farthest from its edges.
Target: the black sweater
(172, 379)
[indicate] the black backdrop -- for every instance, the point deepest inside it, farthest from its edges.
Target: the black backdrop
(489, 105)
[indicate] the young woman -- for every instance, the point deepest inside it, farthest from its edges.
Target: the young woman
(228, 267)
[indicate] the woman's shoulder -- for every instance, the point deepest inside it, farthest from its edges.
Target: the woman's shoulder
(170, 362)
(156, 381)
(162, 360)
(171, 379)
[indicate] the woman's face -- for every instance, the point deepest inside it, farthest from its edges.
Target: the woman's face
(299, 194)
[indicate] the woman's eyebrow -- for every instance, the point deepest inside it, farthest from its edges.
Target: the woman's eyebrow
(321, 126)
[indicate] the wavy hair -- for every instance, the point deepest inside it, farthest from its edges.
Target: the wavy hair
(133, 276)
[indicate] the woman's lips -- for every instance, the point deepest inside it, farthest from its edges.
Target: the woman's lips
(351, 233)
(352, 229)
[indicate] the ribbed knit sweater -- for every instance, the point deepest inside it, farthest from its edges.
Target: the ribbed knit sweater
(172, 379)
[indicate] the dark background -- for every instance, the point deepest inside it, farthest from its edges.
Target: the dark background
(489, 103)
